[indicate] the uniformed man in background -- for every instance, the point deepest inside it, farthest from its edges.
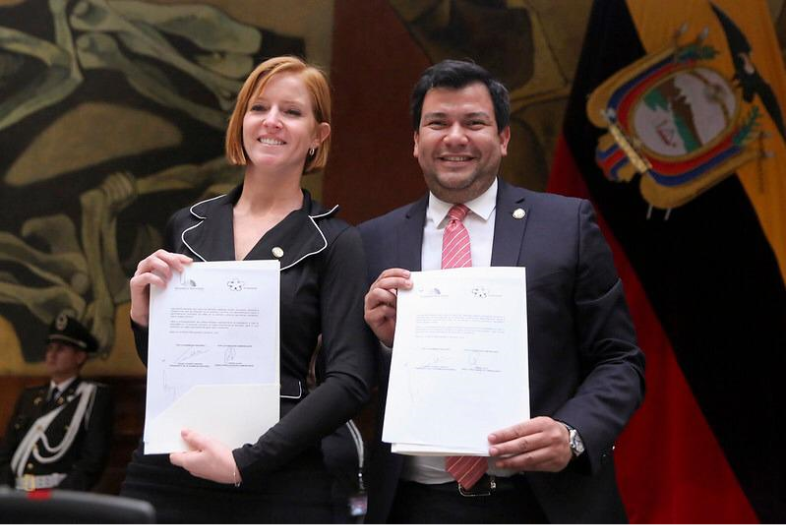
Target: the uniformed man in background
(59, 434)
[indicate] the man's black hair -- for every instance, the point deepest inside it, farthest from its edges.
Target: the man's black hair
(456, 74)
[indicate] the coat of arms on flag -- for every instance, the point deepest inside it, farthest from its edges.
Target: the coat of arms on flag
(676, 118)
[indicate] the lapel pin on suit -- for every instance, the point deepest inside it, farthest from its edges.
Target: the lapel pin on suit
(518, 213)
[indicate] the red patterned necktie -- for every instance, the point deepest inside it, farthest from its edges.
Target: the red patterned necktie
(455, 241)
(456, 253)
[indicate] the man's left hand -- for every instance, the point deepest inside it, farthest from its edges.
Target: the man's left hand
(210, 459)
(540, 444)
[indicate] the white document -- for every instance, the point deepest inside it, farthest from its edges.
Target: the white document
(213, 355)
(459, 369)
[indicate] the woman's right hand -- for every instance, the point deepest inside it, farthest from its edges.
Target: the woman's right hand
(155, 269)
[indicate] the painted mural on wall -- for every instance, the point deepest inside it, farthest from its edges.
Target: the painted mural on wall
(112, 115)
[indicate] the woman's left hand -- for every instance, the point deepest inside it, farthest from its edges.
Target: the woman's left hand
(210, 459)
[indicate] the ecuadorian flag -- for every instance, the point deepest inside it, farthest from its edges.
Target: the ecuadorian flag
(675, 130)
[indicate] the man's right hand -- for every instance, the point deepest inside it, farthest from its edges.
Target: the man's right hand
(155, 269)
(380, 305)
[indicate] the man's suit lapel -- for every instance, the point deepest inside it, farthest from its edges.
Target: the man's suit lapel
(509, 225)
(410, 237)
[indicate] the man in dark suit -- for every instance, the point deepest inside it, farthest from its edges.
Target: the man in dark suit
(59, 434)
(585, 368)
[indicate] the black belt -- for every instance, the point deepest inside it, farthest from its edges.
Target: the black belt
(486, 486)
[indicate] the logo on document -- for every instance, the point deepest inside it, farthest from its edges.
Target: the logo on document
(236, 285)
(480, 292)
(187, 282)
(429, 291)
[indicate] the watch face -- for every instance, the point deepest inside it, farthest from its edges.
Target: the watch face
(576, 446)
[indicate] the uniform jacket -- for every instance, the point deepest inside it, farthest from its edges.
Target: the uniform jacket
(86, 457)
(585, 367)
(322, 290)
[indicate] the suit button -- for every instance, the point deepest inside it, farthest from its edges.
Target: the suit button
(29, 466)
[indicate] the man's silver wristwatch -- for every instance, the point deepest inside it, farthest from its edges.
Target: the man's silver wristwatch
(574, 440)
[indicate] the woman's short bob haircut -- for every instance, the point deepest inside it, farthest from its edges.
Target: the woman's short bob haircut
(317, 86)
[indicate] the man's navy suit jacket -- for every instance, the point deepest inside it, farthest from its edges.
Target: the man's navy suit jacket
(585, 367)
